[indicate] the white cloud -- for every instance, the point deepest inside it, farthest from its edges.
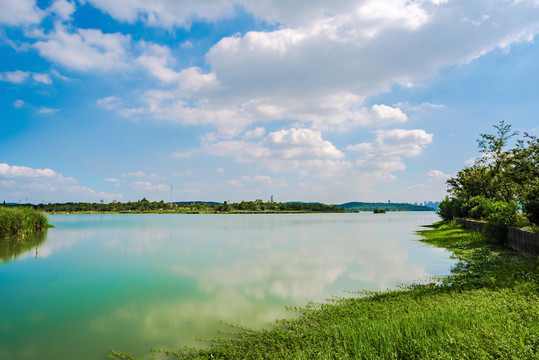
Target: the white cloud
(19, 77)
(301, 144)
(112, 180)
(148, 186)
(63, 9)
(18, 103)
(165, 13)
(85, 49)
(185, 154)
(25, 172)
(255, 133)
(220, 170)
(397, 142)
(187, 45)
(268, 180)
(438, 175)
(38, 184)
(20, 12)
(301, 150)
(42, 78)
(383, 114)
(138, 174)
(234, 183)
(46, 110)
(15, 77)
(109, 102)
(385, 155)
(324, 60)
(155, 59)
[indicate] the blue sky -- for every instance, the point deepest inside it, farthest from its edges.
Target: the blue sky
(329, 101)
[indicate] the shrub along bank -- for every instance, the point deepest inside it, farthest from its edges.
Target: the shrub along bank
(487, 309)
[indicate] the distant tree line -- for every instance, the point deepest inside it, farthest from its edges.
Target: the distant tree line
(363, 206)
(196, 207)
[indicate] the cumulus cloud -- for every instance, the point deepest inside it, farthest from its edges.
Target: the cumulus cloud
(63, 9)
(15, 77)
(385, 154)
(302, 150)
(42, 78)
(255, 133)
(39, 183)
(85, 49)
(18, 103)
(19, 77)
(397, 142)
(155, 59)
(438, 175)
(20, 12)
(25, 172)
(322, 63)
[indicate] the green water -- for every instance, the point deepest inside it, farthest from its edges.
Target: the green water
(133, 282)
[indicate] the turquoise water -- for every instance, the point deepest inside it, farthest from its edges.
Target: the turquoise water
(133, 282)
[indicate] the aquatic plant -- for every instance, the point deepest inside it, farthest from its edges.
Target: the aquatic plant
(15, 221)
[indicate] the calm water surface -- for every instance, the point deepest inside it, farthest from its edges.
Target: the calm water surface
(133, 282)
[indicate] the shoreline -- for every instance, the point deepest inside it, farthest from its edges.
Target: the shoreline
(488, 308)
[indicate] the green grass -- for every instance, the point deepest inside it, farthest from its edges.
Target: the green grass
(488, 309)
(16, 221)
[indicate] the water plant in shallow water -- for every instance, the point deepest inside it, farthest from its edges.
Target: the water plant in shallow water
(21, 220)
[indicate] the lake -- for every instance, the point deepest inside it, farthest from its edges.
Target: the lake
(135, 282)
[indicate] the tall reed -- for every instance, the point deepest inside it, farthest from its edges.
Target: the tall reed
(16, 221)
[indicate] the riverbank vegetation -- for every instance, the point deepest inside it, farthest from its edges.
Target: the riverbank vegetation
(20, 220)
(487, 309)
(501, 187)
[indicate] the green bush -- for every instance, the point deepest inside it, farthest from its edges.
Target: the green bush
(450, 208)
(531, 209)
(478, 207)
(445, 209)
(531, 203)
(501, 216)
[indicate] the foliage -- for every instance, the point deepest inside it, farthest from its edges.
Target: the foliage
(20, 220)
(451, 208)
(144, 206)
(500, 174)
(364, 206)
(531, 204)
(488, 309)
(500, 216)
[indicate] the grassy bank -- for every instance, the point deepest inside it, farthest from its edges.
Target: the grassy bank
(17, 221)
(488, 309)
